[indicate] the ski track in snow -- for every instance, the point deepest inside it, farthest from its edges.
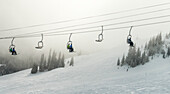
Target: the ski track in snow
(92, 74)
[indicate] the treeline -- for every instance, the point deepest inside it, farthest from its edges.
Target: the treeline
(155, 45)
(10, 65)
(133, 58)
(50, 63)
(136, 57)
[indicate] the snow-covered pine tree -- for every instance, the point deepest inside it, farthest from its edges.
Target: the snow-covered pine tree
(42, 64)
(45, 65)
(54, 60)
(146, 46)
(145, 58)
(72, 62)
(34, 69)
(118, 62)
(123, 60)
(138, 56)
(167, 36)
(152, 46)
(59, 60)
(133, 63)
(62, 64)
(160, 42)
(131, 57)
(168, 52)
(49, 60)
(163, 53)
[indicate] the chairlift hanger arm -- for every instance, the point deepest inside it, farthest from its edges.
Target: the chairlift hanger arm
(130, 30)
(102, 30)
(100, 36)
(12, 41)
(42, 37)
(70, 36)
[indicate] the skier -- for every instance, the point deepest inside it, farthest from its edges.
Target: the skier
(129, 41)
(70, 47)
(14, 51)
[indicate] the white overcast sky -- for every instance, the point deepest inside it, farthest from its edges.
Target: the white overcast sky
(19, 13)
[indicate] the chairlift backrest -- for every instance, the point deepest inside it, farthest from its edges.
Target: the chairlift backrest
(100, 36)
(40, 43)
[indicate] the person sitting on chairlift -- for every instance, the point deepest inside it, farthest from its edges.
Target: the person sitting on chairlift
(69, 46)
(13, 51)
(130, 42)
(10, 50)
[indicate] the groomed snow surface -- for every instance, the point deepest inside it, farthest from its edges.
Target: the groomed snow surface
(93, 74)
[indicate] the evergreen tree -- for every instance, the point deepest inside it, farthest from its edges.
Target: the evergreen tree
(160, 42)
(168, 52)
(123, 61)
(54, 63)
(42, 64)
(163, 53)
(138, 56)
(145, 58)
(146, 46)
(34, 69)
(133, 63)
(131, 57)
(46, 65)
(151, 51)
(118, 62)
(49, 60)
(59, 60)
(62, 64)
(72, 62)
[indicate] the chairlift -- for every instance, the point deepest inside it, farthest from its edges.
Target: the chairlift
(129, 38)
(70, 45)
(100, 36)
(12, 48)
(40, 43)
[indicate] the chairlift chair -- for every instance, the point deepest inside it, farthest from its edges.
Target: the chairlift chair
(129, 37)
(100, 36)
(70, 45)
(40, 43)
(12, 48)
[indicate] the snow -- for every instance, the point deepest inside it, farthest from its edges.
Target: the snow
(93, 74)
(2, 65)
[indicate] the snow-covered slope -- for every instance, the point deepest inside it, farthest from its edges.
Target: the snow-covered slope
(93, 74)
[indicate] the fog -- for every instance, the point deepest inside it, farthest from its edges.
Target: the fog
(21, 13)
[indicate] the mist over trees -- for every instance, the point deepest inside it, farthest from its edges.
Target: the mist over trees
(52, 62)
(134, 58)
(137, 56)
(154, 46)
(10, 64)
